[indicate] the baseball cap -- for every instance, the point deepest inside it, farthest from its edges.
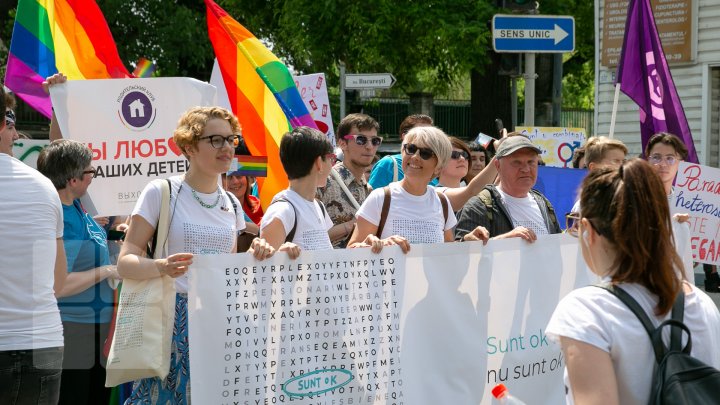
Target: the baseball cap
(513, 144)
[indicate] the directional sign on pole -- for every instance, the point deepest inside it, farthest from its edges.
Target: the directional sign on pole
(533, 33)
(369, 81)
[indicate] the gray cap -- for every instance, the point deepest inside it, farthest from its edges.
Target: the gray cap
(513, 144)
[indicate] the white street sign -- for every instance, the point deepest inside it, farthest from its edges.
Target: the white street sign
(369, 81)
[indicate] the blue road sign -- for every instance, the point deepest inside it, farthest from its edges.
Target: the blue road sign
(533, 33)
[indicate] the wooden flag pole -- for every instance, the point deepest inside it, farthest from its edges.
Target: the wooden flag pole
(611, 134)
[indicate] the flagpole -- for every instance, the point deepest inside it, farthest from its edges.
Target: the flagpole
(611, 134)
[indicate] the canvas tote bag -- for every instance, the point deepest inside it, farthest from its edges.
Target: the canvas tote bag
(146, 313)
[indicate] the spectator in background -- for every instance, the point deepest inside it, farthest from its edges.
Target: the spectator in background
(389, 169)
(626, 239)
(457, 168)
(479, 157)
(32, 267)
(578, 160)
(511, 209)
(368, 170)
(601, 151)
(8, 133)
(87, 302)
(346, 188)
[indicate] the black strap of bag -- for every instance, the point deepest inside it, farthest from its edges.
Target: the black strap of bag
(291, 235)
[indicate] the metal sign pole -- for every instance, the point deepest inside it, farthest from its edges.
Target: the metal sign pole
(529, 89)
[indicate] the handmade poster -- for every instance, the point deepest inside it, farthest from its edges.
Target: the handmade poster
(557, 144)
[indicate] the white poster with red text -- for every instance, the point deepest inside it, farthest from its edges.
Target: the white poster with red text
(313, 90)
(128, 124)
(697, 193)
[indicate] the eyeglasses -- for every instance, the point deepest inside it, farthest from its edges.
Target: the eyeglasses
(657, 159)
(572, 223)
(90, 171)
(218, 141)
(363, 139)
(457, 154)
(332, 157)
(425, 153)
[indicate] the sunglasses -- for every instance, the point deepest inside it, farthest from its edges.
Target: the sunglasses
(425, 153)
(657, 159)
(457, 154)
(218, 141)
(362, 140)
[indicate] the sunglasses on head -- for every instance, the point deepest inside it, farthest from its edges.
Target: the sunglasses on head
(457, 154)
(425, 153)
(363, 139)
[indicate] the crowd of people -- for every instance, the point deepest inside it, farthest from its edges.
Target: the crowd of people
(58, 301)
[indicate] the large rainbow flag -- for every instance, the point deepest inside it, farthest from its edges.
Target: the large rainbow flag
(261, 91)
(50, 36)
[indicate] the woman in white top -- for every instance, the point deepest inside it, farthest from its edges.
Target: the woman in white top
(416, 213)
(626, 238)
(454, 172)
(203, 220)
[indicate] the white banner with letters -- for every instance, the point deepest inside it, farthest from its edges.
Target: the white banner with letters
(129, 124)
(441, 325)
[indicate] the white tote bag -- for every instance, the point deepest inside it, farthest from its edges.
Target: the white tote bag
(145, 317)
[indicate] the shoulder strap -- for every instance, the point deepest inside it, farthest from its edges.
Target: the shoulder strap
(162, 227)
(344, 188)
(233, 201)
(384, 211)
(678, 312)
(291, 235)
(444, 203)
(486, 197)
(550, 210)
(322, 208)
(632, 304)
(395, 168)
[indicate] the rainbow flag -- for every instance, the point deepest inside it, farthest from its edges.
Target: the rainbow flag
(246, 165)
(261, 91)
(144, 68)
(50, 36)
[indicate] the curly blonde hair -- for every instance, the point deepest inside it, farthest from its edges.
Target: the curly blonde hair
(192, 124)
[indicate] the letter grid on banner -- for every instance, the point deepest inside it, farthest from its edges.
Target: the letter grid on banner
(128, 124)
(440, 325)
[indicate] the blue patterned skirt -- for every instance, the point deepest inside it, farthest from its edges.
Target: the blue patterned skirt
(175, 388)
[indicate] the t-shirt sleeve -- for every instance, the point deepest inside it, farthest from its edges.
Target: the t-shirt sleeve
(580, 316)
(282, 210)
(382, 173)
(148, 205)
(371, 207)
(328, 221)
(60, 225)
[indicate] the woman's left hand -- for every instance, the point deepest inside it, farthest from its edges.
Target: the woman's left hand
(261, 249)
(479, 233)
(292, 250)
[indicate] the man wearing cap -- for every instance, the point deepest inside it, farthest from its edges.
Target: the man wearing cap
(512, 209)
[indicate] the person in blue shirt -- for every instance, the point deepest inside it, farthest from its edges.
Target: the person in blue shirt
(86, 299)
(389, 168)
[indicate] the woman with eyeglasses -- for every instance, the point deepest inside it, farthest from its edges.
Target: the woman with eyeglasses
(86, 300)
(202, 219)
(416, 213)
(626, 239)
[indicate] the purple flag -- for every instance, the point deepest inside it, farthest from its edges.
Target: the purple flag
(643, 75)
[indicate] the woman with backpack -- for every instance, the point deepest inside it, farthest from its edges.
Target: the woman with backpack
(626, 239)
(411, 211)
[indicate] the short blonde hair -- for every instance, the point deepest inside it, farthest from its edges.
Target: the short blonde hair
(596, 148)
(192, 124)
(435, 139)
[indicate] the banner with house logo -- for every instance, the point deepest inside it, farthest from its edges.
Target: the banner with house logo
(128, 124)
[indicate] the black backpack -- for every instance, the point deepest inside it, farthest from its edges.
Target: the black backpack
(679, 378)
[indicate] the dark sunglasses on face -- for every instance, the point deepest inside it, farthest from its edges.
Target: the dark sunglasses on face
(457, 154)
(425, 153)
(362, 139)
(218, 141)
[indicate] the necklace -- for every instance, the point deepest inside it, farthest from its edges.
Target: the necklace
(208, 206)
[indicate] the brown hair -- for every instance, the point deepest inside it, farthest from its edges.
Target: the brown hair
(457, 143)
(628, 206)
(193, 121)
(670, 140)
(578, 155)
(596, 147)
(412, 121)
(360, 121)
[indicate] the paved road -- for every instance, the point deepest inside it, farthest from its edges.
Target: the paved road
(700, 282)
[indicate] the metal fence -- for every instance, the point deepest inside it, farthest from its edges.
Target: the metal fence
(454, 116)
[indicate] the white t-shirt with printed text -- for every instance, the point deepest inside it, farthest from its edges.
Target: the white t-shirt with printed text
(419, 219)
(311, 232)
(524, 212)
(193, 228)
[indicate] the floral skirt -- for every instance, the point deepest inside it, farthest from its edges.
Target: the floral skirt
(175, 388)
